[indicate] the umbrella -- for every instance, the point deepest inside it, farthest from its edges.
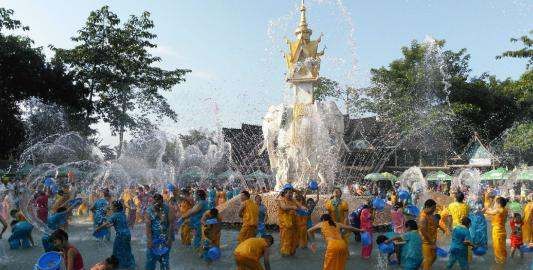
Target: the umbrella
(258, 175)
(389, 176)
(225, 175)
(380, 176)
(525, 175)
(438, 176)
(496, 174)
(374, 177)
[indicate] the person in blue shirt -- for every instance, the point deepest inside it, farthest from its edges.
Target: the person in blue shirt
(122, 243)
(263, 216)
(411, 251)
(58, 220)
(229, 193)
(355, 221)
(20, 235)
(159, 227)
(195, 215)
(459, 246)
(211, 195)
(99, 210)
(478, 227)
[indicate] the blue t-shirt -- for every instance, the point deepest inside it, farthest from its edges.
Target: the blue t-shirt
(195, 218)
(100, 206)
(262, 213)
(120, 223)
(211, 194)
(159, 227)
(412, 250)
(459, 234)
(55, 221)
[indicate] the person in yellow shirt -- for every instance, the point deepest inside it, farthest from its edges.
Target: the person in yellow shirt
(427, 227)
(186, 203)
(287, 208)
(527, 230)
(248, 253)
(166, 195)
(338, 209)
(499, 234)
(488, 198)
(250, 216)
(336, 248)
(457, 210)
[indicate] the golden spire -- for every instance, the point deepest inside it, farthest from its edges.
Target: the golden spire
(302, 27)
(303, 57)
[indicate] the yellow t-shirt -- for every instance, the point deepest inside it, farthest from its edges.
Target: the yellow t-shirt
(458, 211)
(342, 210)
(250, 215)
(252, 248)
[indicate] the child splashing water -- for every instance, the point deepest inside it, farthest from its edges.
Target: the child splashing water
(411, 252)
(516, 234)
(71, 256)
(397, 218)
(461, 240)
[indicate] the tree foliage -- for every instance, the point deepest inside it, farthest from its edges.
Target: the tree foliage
(411, 94)
(25, 73)
(114, 61)
(525, 52)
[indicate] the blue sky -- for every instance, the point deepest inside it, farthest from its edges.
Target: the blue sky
(234, 46)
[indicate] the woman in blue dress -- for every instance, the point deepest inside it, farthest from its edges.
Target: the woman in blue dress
(195, 215)
(159, 232)
(263, 216)
(122, 243)
(99, 210)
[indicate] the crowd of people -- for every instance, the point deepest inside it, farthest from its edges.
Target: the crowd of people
(191, 214)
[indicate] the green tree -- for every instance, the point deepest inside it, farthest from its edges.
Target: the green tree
(481, 106)
(525, 52)
(411, 94)
(325, 88)
(113, 60)
(24, 73)
(518, 141)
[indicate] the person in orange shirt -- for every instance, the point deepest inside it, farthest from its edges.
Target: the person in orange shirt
(499, 234)
(336, 248)
(488, 198)
(427, 227)
(221, 196)
(287, 207)
(248, 253)
(185, 204)
(250, 216)
(338, 210)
